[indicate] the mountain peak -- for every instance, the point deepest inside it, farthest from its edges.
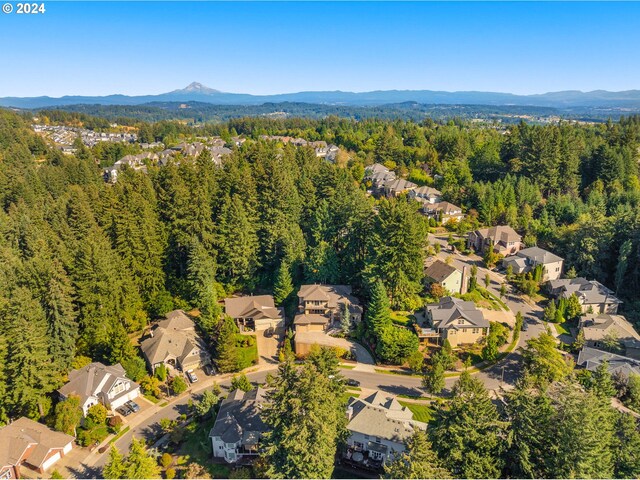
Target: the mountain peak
(196, 87)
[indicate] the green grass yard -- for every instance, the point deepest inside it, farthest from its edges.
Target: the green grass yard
(421, 412)
(402, 318)
(562, 328)
(197, 448)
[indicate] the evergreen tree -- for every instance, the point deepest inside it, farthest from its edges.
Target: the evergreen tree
(306, 423)
(627, 447)
(417, 461)
(602, 381)
(282, 286)
(116, 467)
(468, 433)
(433, 379)
(345, 319)
(28, 368)
(240, 382)
(201, 277)
(140, 464)
(543, 361)
(378, 316)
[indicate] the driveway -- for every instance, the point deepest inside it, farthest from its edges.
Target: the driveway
(267, 347)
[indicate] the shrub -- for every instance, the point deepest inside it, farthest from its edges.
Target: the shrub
(166, 460)
(170, 474)
(178, 385)
(97, 415)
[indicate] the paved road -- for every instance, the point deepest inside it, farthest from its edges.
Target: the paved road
(500, 375)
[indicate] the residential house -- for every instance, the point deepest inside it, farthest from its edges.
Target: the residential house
(379, 176)
(502, 239)
(443, 211)
(453, 319)
(175, 343)
(593, 296)
(255, 313)
(528, 259)
(597, 328)
(618, 365)
(429, 194)
(32, 444)
(238, 428)
(98, 383)
(448, 276)
(378, 429)
(397, 187)
(320, 308)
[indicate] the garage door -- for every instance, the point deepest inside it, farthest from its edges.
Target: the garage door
(50, 461)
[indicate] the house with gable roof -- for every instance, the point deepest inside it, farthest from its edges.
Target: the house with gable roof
(238, 428)
(175, 343)
(453, 319)
(255, 313)
(502, 239)
(528, 259)
(593, 295)
(321, 306)
(378, 427)
(97, 383)
(32, 444)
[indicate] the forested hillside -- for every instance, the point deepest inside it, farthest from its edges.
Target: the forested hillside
(86, 264)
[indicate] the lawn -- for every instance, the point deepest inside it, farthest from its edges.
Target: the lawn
(402, 318)
(151, 398)
(197, 448)
(248, 355)
(562, 328)
(421, 412)
(345, 398)
(482, 298)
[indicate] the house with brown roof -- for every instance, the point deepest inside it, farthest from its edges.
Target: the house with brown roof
(453, 319)
(448, 276)
(378, 428)
(97, 383)
(175, 343)
(255, 313)
(32, 444)
(427, 194)
(502, 239)
(593, 296)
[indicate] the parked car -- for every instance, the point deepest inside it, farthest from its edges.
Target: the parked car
(124, 411)
(525, 325)
(208, 370)
(133, 406)
(193, 378)
(353, 383)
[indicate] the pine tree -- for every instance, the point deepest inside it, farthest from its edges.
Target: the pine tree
(282, 285)
(140, 464)
(468, 433)
(306, 423)
(603, 382)
(201, 277)
(28, 369)
(417, 461)
(116, 467)
(433, 379)
(574, 308)
(627, 447)
(378, 316)
(550, 311)
(345, 319)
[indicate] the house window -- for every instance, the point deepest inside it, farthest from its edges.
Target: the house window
(366, 437)
(464, 330)
(118, 388)
(6, 474)
(475, 330)
(461, 321)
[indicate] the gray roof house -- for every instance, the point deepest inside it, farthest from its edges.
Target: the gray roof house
(378, 427)
(175, 343)
(443, 211)
(592, 294)
(597, 327)
(454, 319)
(397, 187)
(238, 427)
(591, 358)
(528, 259)
(323, 304)
(98, 383)
(430, 194)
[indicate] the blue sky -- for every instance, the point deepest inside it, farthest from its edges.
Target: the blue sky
(99, 48)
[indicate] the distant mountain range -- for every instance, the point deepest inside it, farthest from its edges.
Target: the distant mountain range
(196, 92)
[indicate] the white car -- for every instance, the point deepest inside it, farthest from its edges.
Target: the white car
(193, 378)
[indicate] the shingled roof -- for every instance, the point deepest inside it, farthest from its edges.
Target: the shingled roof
(239, 417)
(439, 271)
(253, 306)
(445, 313)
